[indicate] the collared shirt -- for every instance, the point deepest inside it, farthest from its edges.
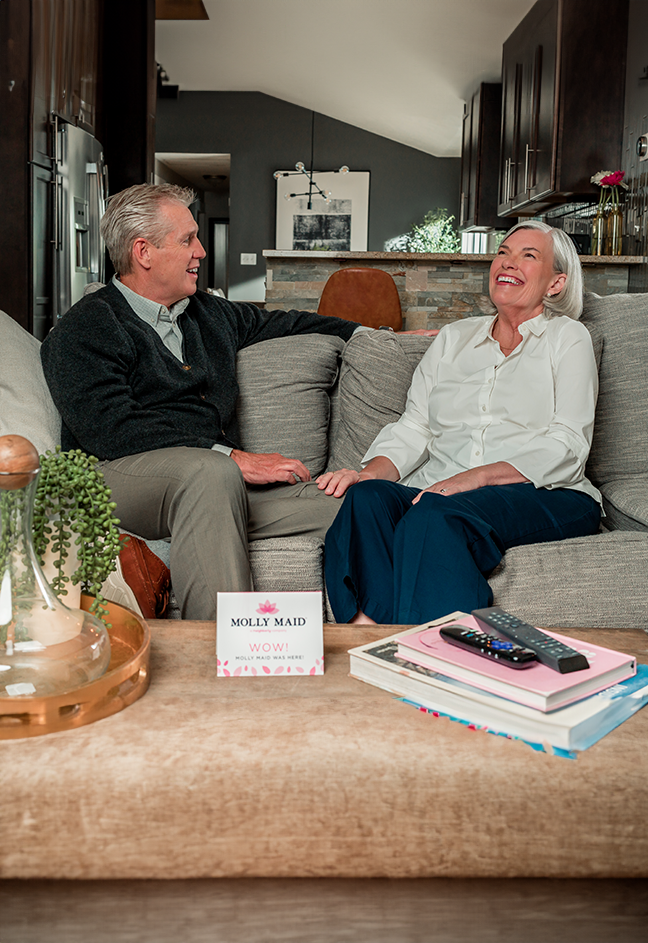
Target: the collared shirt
(469, 405)
(164, 322)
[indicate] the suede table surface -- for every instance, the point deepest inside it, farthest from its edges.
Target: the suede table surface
(314, 776)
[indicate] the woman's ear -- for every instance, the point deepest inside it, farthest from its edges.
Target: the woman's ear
(557, 284)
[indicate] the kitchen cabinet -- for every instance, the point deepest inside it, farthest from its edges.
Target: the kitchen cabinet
(480, 159)
(563, 82)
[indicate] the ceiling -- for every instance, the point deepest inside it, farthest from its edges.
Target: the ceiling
(398, 68)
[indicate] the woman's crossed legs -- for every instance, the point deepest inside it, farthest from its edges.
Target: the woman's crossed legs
(404, 565)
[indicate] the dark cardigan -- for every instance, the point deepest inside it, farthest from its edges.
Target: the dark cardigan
(120, 391)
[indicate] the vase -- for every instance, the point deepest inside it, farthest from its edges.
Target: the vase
(599, 229)
(45, 647)
(614, 231)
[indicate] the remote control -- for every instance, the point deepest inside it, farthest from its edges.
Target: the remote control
(490, 646)
(549, 651)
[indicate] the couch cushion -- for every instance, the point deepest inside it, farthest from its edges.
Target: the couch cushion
(620, 444)
(375, 376)
(284, 403)
(287, 564)
(597, 582)
(626, 503)
(26, 407)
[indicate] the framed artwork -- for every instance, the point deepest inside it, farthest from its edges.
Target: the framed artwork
(338, 226)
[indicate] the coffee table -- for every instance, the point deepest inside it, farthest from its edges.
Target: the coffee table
(324, 776)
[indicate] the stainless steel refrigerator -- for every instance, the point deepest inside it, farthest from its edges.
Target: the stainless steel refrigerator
(80, 189)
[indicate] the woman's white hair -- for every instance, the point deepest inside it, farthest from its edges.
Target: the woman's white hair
(136, 213)
(569, 300)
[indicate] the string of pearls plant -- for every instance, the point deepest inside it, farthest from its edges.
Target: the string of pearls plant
(73, 498)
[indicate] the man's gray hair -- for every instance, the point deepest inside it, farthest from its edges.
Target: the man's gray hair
(136, 213)
(569, 300)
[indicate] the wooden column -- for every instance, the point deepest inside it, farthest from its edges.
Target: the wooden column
(15, 201)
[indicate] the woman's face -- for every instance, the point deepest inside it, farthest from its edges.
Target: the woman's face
(522, 272)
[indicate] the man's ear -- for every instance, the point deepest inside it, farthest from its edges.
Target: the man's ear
(141, 253)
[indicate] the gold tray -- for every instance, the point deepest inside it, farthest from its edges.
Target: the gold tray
(126, 680)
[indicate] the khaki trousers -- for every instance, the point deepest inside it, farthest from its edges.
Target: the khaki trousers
(199, 499)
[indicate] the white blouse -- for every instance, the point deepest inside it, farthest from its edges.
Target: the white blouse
(469, 405)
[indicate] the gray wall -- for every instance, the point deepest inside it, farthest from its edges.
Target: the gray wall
(264, 134)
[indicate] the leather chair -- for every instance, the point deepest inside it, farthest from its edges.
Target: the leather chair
(366, 295)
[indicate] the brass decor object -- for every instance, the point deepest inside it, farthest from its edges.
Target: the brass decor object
(126, 680)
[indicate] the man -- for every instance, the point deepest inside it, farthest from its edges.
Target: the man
(143, 374)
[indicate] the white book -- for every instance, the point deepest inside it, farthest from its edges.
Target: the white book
(574, 727)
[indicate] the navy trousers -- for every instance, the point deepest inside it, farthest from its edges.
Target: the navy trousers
(403, 564)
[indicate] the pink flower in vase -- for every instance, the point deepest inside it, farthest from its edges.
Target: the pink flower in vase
(267, 608)
(613, 179)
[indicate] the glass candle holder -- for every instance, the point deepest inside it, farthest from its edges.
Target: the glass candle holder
(45, 647)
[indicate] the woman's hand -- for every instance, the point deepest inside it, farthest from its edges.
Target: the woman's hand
(338, 482)
(465, 481)
(497, 473)
(422, 332)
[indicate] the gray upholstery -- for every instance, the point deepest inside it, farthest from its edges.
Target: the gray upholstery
(626, 503)
(375, 376)
(284, 404)
(26, 407)
(287, 564)
(599, 581)
(620, 445)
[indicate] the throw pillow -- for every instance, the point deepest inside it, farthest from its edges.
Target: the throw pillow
(620, 443)
(26, 407)
(375, 375)
(284, 401)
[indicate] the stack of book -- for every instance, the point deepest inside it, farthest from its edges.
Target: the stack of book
(536, 704)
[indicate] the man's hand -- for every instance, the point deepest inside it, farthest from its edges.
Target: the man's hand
(264, 468)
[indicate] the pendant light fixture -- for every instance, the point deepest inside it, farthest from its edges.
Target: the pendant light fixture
(314, 190)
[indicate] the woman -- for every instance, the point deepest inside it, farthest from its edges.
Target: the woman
(489, 454)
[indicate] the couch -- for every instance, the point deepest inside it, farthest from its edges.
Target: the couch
(322, 401)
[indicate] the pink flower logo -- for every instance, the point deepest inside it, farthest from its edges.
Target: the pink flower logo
(267, 608)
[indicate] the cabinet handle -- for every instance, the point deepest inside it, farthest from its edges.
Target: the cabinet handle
(57, 223)
(510, 186)
(462, 212)
(529, 150)
(506, 180)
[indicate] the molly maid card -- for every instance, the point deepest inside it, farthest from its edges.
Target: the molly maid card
(265, 634)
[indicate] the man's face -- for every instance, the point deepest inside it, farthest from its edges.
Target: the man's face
(174, 265)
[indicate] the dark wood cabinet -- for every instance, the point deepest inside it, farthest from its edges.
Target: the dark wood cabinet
(90, 64)
(563, 80)
(480, 159)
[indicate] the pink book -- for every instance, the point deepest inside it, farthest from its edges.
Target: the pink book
(536, 686)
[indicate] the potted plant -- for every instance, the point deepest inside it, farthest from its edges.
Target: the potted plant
(73, 503)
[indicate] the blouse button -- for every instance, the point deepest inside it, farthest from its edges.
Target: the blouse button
(483, 409)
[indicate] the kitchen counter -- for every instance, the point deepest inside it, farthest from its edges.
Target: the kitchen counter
(434, 288)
